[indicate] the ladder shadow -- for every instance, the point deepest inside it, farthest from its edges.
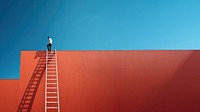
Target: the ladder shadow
(33, 84)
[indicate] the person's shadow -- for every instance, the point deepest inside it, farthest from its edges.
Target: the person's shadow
(32, 87)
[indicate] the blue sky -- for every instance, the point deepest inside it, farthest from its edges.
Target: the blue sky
(95, 25)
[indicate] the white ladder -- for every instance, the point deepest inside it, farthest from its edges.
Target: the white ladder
(52, 102)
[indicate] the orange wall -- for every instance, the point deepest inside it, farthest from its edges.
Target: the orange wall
(114, 81)
(9, 95)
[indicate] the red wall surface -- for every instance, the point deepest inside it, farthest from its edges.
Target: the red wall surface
(113, 81)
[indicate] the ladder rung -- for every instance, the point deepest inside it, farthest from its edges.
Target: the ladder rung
(51, 102)
(52, 97)
(52, 107)
(51, 92)
(51, 87)
(51, 79)
(51, 68)
(51, 75)
(51, 83)
(52, 51)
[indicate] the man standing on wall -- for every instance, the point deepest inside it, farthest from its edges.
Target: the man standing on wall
(49, 43)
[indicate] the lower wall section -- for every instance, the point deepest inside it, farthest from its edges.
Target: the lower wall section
(113, 81)
(9, 95)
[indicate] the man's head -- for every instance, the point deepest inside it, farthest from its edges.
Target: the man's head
(48, 37)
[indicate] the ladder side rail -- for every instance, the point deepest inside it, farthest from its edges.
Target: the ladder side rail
(58, 97)
(46, 84)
